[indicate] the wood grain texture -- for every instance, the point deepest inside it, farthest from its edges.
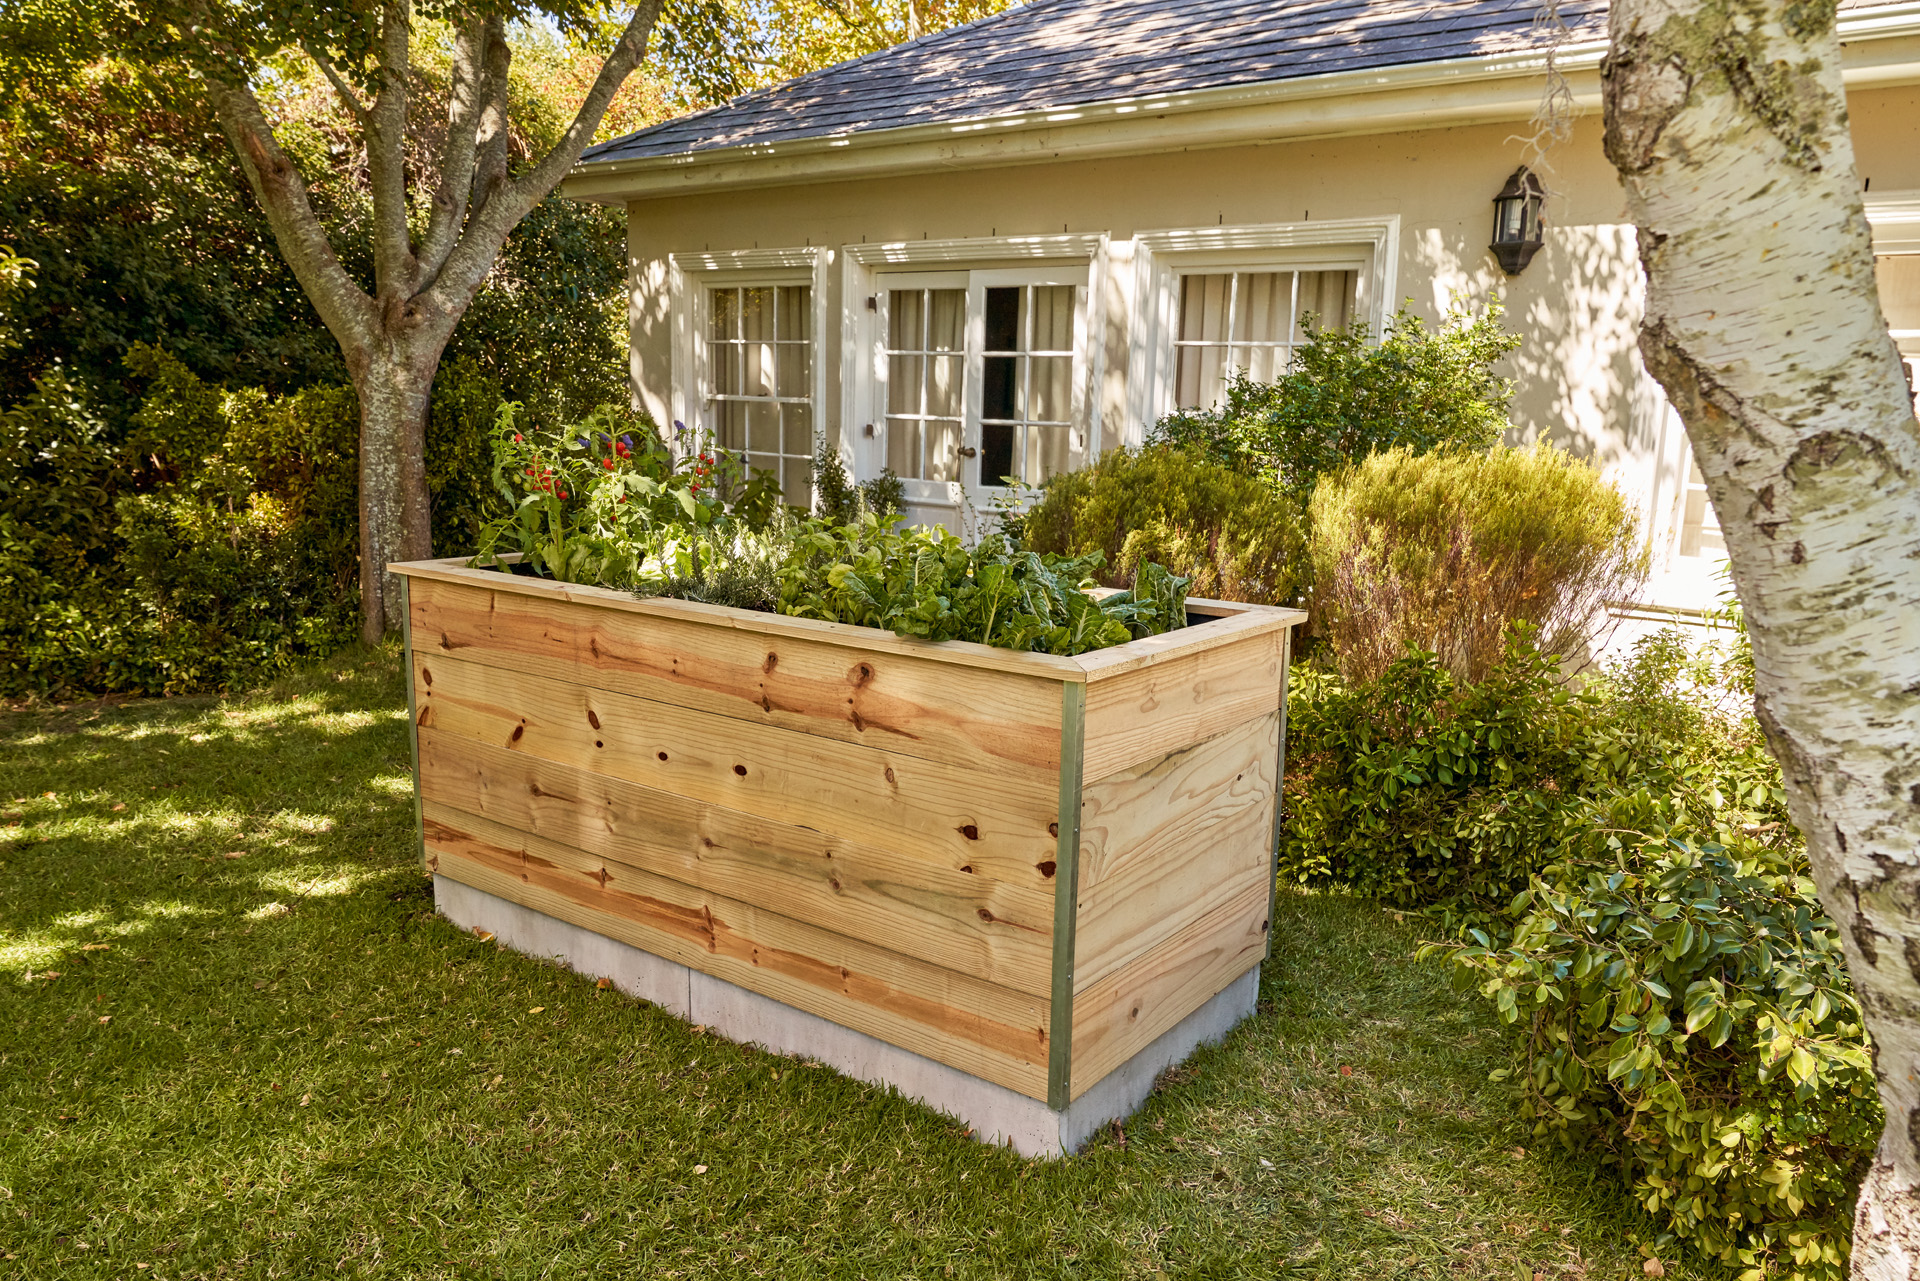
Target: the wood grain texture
(1125, 1012)
(999, 932)
(1162, 845)
(455, 571)
(917, 706)
(996, 823)
(1140, 714)
(953, 1018)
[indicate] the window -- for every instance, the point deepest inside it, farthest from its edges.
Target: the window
(1026, 411)
(926, 372)
(760, 376)
(980, 378)
(1250, 320)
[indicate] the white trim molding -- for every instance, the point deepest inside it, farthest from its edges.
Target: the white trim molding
(1895, 220)
(691, 275)
(1880, 46)
(1368, 246)
(978, 249)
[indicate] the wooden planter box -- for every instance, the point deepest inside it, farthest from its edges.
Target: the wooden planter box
(1023, 867)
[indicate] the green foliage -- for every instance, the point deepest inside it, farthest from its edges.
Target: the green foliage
(1227, 532)
(1421, 789)
(841, 502)
(1344, 397)
(604, 501)
(1622, 883)
(925, 582)
(1686, 1011)
(1444, 551)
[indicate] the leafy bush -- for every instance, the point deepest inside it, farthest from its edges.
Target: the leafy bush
(1616, 872)
(1227, 532)
(839, 500)
(1444, 551)
(1686, 1012)
(1344, 397)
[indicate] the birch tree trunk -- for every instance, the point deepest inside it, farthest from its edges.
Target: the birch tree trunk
(1728, 124)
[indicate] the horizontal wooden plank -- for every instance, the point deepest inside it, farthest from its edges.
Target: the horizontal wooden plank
(999, 932)
(1141, 714)
(1226, 621)
(1129, 1009)
(1163, 844)
(455, 570)
(918, 706)
(995, 823)
(951, 1018)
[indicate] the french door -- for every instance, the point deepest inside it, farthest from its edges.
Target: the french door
(980, 380)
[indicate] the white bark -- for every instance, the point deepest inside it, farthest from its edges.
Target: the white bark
(1728, 124)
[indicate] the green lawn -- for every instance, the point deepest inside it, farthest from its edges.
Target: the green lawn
(264, 1056)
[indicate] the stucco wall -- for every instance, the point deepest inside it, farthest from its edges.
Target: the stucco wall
(1576, 307)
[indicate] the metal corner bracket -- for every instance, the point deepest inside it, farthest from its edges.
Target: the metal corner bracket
(1066, 892)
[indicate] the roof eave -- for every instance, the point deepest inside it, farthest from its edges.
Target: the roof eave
(1881, 47)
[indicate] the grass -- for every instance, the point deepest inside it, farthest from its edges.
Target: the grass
(264, 1056)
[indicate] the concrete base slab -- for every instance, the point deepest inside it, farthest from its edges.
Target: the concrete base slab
(997, 1114)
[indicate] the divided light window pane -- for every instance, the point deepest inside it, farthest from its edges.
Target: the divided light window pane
(1026, 405)
(1250, 320)
(926, 366)
(760, 367)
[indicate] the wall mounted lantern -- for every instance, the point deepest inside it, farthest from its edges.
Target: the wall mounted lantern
(1518, 229)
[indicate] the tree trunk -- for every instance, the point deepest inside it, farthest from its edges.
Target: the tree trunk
(396, 391)
(1728, 125)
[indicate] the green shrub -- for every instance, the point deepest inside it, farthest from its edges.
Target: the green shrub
(1616, 871)
(838, 500)
(1344, 397)
(1685, 1012)
(1227, 532)
(1445, 551)
(1420, 789)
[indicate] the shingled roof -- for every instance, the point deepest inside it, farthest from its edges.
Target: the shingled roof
(1051, 54)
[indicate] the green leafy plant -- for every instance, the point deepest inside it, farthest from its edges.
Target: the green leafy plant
(1444, 551)
(592, 502)
(927, 583)
(1230, 534)
(1345, 397)
(840, 501)
(1685, 1011)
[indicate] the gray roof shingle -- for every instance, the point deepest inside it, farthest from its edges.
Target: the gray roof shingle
(1060, 53)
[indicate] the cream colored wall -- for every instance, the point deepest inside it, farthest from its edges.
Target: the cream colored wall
(1576, 307)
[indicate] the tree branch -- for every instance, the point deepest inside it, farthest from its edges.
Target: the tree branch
(340, 86)
(344, 307)
(395, 270)
(468, 91)
(491, 170)
(491, 222)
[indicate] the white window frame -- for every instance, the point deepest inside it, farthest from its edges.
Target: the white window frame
(691, 278)
(1369, 247)
(867, 269)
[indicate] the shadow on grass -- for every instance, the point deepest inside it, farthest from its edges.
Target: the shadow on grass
(282, 1064)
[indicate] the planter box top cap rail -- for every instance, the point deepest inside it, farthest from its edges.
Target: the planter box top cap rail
(1226, 617)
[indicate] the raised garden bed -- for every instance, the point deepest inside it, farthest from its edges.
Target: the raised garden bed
(1043, 879)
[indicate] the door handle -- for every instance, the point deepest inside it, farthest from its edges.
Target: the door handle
(968, 451)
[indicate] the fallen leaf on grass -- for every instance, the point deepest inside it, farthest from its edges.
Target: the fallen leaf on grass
(305, 1099)
(234, 854)
(699, 1169)
(106, 1018)
(604, 984)
(96, 947)
(485, 936)
(1345, 1070)
(1654, 1268)
(117, 807)
(44, 974)
(536, 1009)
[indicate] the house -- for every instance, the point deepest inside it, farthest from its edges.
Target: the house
(998, 250)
